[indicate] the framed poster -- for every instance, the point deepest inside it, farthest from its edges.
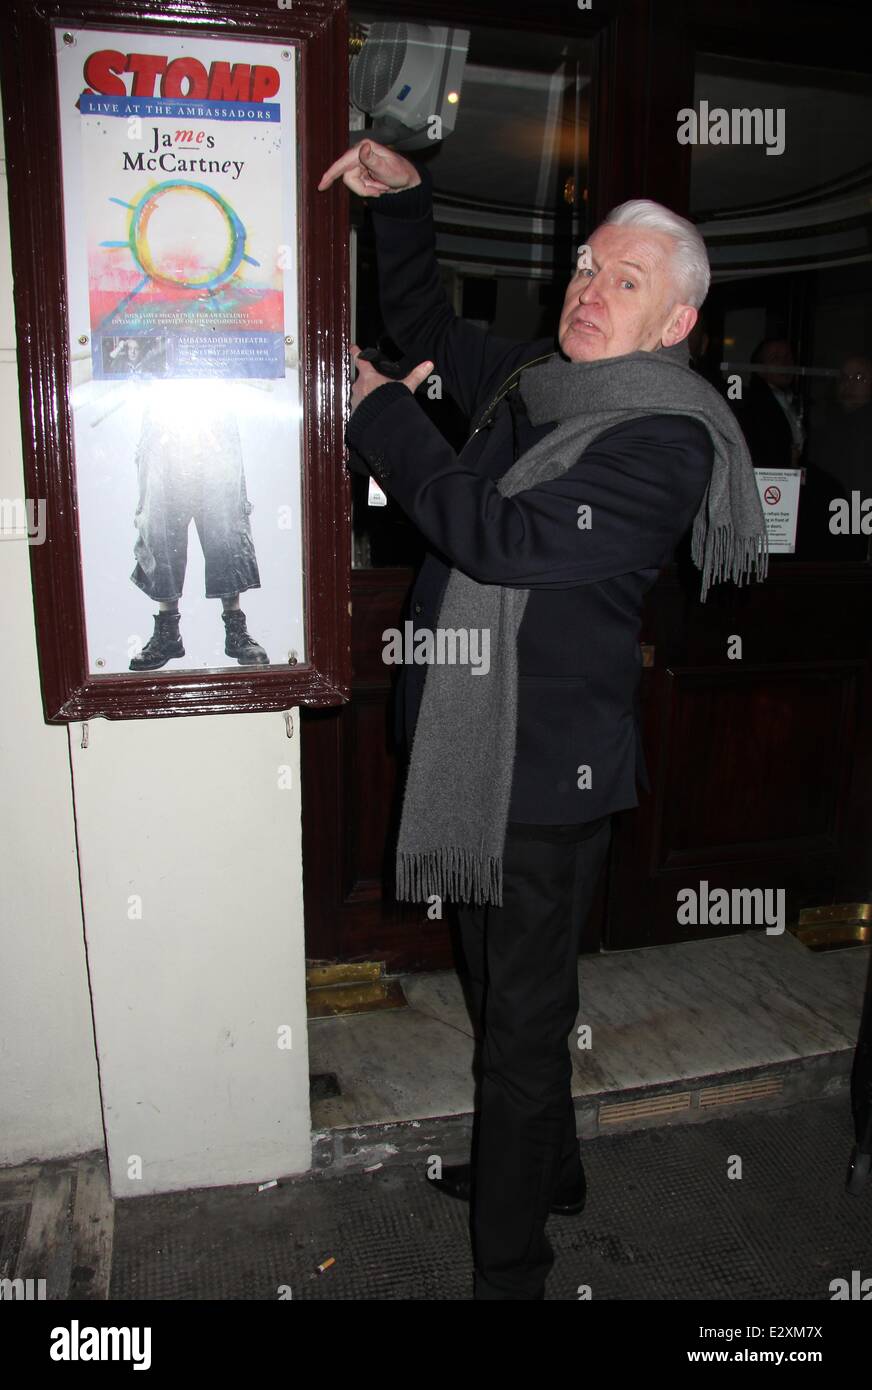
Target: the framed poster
(181, 309)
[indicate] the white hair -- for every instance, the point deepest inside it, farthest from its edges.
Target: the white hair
(690, 263)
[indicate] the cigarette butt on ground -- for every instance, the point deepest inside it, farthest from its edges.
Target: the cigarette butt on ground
(262, 1187)
(373, 1167)
(325, 1264)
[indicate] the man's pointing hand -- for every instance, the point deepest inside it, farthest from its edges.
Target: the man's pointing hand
(368, 378)
(371, 169)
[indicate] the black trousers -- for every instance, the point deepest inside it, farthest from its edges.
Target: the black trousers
(522, 968)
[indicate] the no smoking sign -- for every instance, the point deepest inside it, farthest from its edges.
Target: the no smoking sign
(778, 490)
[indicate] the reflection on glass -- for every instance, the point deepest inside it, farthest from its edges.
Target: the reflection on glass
(510, 187)
(786, 327)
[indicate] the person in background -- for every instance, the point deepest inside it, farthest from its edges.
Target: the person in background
(704, 357)
(839, 461)
(768, 413)
(843, 446)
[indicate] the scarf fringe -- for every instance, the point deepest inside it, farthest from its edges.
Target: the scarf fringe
(721, 554)
(450, 873)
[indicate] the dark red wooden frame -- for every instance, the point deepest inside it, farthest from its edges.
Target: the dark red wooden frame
(30, 101)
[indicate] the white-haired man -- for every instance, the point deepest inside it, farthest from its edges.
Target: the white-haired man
(514, 777)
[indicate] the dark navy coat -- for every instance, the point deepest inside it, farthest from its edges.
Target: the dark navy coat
(579, 658)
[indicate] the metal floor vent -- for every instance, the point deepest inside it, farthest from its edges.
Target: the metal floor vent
(679, 1102)
(648, 1108)
(739, 1091)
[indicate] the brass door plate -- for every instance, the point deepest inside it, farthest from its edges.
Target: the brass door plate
(342, 972)
(332, 1000)
(835, 926)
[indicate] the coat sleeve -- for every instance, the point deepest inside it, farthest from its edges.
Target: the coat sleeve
(417, 312)
(641, 481)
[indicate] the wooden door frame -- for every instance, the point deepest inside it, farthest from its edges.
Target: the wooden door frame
(643, 72)
(341, 909)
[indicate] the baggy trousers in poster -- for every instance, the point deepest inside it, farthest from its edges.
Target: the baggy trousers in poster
(189, 468)
(522, 963)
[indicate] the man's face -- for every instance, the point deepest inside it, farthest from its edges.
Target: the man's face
(778, 357)
(624, 300)
(855, 383)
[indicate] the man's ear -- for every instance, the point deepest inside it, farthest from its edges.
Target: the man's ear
(680, 323)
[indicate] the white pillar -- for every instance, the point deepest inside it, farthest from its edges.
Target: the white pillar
(191, 868)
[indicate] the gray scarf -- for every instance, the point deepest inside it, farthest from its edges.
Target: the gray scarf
(459, 782)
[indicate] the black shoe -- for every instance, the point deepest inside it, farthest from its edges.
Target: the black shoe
(164, 643)
(238, 642)
(456, 1180)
